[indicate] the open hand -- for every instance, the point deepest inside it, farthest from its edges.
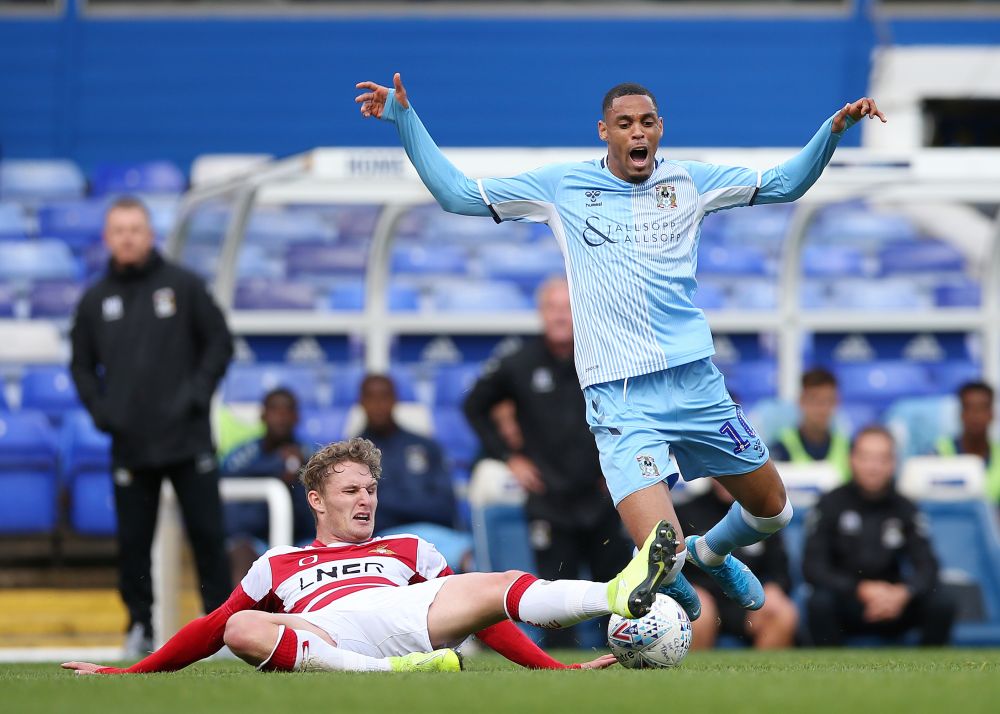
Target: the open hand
(602, 662)
(373, 101)
(83, 667)
(526, 473)
(864, 107)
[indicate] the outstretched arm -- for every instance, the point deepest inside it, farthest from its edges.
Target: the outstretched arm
(198, 639)
(790, 180)
(506, 639)
(456, 192)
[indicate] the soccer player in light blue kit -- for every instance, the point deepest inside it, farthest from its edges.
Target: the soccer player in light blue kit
(628, 225)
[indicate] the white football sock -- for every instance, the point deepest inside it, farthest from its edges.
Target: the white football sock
(562, 603)
(314, 654)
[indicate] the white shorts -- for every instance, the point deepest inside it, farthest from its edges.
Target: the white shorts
(380, 622)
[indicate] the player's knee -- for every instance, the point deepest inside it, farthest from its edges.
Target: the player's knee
(770, 524)
(509, 577)
(238, 635)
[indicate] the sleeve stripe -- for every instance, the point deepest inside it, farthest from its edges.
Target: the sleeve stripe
(755, 191)
(493, 212)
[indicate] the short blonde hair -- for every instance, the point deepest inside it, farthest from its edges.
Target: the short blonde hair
(356, 450)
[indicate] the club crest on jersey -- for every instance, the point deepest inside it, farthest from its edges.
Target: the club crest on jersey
(382, 550)
(666, 196)
(647, 466)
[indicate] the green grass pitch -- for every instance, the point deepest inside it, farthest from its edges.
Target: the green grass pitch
(741, 682)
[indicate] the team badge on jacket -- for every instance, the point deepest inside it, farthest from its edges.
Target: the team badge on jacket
(666, 196)
(164, 302)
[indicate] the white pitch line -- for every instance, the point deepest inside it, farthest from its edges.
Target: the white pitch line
(60, 654)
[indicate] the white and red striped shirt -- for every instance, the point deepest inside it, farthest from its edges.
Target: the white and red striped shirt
(293, 580)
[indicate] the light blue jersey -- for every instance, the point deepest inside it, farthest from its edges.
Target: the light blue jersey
(631, 250)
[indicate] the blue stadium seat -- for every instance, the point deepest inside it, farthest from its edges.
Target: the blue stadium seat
(14, 224)
(751, 380)
(46, 259)
(263, 294)
(500, 539)
(452, 383)
(77, 223)
(39, 180)
(832, 260)
(320, 427)
(766, 225)
(754, 294)
(480, 296)
(86, 470)
(143, 177)
(879, 294)
(726, 260)
(815, 295)
(54, 298)
(855, 223)
(948, 376)
(918, 423)
(429, 259)
(277, 228)
(968, 546)
(27, 473)
(348, 294)
(250, 382)
(509, 262)
(50, 390)
(958, 293)
(255, 262)
(8, 300)
(852, 416)
(883, 381)
(323, 260)
(455, 435)
(926, 255)
(346, 382)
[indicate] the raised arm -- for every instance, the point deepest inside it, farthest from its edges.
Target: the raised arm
(788, 181)
(456, 192)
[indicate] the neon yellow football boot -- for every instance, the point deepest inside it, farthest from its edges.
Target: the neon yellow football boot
(632, 592)
(443, 660)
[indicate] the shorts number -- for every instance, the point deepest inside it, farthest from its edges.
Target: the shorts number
(739, 443)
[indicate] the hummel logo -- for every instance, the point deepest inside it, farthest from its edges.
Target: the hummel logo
(593, 195)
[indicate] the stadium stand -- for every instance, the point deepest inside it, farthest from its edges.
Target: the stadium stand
(28, 462)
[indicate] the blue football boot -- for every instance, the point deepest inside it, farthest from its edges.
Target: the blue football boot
(735, 579)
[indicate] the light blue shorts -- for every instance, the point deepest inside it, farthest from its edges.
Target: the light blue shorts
(685, 411)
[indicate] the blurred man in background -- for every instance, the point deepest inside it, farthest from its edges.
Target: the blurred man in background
(571, 518)
(815, 438)
(149, 348)
(771, 627)
(277, 454)
(976, 399)
(416, 495)
(868, 557)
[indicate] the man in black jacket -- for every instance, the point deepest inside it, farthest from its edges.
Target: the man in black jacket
(571, 518)
(868, 558)
(149, 348)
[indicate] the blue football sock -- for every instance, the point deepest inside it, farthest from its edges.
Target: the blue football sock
(727, 535)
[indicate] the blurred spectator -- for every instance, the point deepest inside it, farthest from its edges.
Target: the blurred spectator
(415, 493)
(572, 521)
(868, 557)
(771, 627)
(149, 348)
(277, 454)
(815, 438)
(976, 399)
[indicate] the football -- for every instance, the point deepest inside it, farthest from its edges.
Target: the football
(660, 639)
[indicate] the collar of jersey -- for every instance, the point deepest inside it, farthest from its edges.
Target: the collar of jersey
(337, 544)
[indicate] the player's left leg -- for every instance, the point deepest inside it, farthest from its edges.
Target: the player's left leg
(468, 603)
(277, 642)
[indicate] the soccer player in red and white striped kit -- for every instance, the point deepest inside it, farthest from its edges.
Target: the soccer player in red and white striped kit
(350, 602)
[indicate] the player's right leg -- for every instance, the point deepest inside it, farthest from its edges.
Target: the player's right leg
(278, 642)
(471, 602)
